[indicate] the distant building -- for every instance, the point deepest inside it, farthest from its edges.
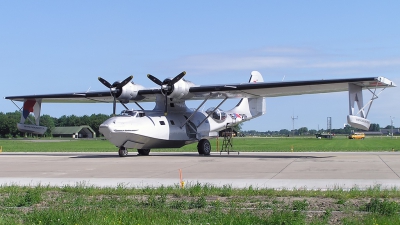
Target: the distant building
(74, 132)
(396, 131)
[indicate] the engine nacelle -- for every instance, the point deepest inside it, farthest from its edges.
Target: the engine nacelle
(128, 92)
(181, 89)
(218, 115)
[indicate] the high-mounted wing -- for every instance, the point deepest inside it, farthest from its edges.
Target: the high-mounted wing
(254, 90)
(186, 90)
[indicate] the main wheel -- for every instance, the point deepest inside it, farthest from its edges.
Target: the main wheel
(204, 147)
(122, 152)
(143, 151)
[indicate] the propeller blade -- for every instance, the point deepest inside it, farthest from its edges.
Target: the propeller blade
(166, 105)
(124, 82)
(105, 83)
(177, 78)
(154, 79)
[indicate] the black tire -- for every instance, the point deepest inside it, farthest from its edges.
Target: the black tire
(143, 151)
(122, 152)
(204, 147)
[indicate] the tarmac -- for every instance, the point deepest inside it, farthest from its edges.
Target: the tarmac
(292, 170)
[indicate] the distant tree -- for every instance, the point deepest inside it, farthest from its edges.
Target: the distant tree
(312, 131)
(389, 127)
(8, 125)
(374, 127)
(302, 130)
(95, 120)
(3, 126)
(284, 132)
(347, 129)
(48, 122)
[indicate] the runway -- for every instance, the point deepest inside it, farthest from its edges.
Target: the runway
(259, 170)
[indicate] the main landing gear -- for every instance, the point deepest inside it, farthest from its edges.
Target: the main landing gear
(143, 151)
(204, 147)
(122, 152)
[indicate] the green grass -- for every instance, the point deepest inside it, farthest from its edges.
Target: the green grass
(339, 143)
(196, 204)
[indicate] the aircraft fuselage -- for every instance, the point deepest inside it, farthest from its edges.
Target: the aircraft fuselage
(151, 129)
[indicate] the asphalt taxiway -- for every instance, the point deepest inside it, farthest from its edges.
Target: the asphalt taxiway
(291, 170)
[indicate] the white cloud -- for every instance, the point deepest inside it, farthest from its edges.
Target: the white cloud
(359, 63)
(284, 59)
(227, 62)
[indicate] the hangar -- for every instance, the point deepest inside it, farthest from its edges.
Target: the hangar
(74, 132)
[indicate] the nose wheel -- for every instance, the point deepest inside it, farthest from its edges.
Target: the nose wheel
(122, 152)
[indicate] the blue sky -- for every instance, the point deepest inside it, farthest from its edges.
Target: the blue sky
(63, 46)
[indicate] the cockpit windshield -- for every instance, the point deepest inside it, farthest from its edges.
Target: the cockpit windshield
(132, 113)
(128, 113)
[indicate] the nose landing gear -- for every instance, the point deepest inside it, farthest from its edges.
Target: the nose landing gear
(122, 152)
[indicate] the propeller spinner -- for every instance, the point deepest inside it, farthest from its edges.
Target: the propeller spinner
(166, 86)
(115, 88)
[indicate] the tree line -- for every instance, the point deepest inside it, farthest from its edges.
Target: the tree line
(305, 131)
(8, 123)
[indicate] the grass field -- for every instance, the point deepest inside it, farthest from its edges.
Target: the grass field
(246, 144)
(196, 204)
(199, 203)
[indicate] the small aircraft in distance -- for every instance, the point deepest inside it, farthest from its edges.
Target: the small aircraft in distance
(171, 124)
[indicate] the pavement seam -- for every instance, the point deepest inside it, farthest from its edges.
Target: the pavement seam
(283, 168)
(389, 166)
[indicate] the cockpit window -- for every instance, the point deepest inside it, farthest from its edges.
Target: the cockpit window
(132, 113)
(128, 113)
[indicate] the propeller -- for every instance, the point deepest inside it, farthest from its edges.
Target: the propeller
(115, 88)
(167, 86)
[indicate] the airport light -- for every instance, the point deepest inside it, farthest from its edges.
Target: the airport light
(391, 124)
(294, 118)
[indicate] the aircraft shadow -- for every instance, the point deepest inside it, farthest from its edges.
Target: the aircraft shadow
(195, 155)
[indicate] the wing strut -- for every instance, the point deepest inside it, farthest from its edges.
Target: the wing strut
(359, 119)
(139, 106)
(187, 120)
(212, 112)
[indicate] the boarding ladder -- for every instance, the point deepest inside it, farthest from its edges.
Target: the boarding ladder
(227, 145)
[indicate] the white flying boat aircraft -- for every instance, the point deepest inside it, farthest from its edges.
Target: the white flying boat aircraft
(171, 124)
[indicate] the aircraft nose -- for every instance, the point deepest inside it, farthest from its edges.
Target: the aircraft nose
(107, 128)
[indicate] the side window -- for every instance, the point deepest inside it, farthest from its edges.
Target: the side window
(162, 122)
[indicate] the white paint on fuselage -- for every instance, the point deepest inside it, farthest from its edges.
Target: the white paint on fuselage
(152, 128)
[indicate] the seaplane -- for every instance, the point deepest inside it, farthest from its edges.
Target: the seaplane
(171, 124)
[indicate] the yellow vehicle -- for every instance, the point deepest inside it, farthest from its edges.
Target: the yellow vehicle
(357, 136)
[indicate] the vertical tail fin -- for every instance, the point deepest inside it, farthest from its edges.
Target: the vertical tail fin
(249, 108)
